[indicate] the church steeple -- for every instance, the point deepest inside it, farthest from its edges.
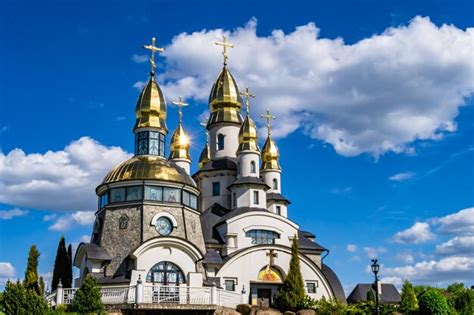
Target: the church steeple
(205, 153)
(248, 132)
(270, 152)
(150, 125)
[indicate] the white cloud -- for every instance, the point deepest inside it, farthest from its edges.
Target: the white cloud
(49, 217)
(351, 248)
(65, 222)
(57, 180)
(85, 238)
(405, 257)
(418, 233)
(401, 177)
(139, 85)
(459, 245)
(373, 252)
(140, 58)
(47, 277)
(396, 281)
(377, 95)
(461, 222)
(10, 214)
(7, 272)
(454, 268)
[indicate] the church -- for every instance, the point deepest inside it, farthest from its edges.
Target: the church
(224, 227)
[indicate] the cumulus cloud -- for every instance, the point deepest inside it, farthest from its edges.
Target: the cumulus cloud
(65, 222)
(140, 58)
(85, 238)
(459, 245)
(377, 95)
(449, 269)
(461, 222)
(405, 257)
(7, 271)
(401, 177)
(57, 180)
(419, 233)
(351, 248)
(10, 214)
(373, 252)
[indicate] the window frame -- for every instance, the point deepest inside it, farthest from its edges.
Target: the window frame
(313, 285)
(256, 197)
(220, 142)
(226, 281)
(253, 167)
(216, 189)
(261, 236)
(275, 184)
(278, 210)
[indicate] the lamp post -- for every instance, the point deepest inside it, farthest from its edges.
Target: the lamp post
(375, 269)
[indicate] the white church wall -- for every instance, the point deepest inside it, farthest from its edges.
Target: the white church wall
(268, 177)
(272, 207)
(207, 198)
(245, 160)
(246, 265)
(231, 140)
(245, 197)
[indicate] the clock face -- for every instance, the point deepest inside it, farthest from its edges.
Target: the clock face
(164, 226)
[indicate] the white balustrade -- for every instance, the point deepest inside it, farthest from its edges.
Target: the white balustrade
(228, 298)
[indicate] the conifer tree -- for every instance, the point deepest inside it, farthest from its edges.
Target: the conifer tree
(60, 266)
(409, 302)
(88, 298)
(31, 272)
(291, 294)
(17, 299)
(67, 282)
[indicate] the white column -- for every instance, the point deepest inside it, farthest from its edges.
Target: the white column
(59, 293)
(244, 298)
(139, 291)
(214, 295)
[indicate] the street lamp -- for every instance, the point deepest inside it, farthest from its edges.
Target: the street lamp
(375, 269)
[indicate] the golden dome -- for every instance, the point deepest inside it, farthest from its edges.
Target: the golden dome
(151, 107)
(270, 155)
(248, 136)
(180, 144)
(225, 102)
(205, 156)
(148, 167)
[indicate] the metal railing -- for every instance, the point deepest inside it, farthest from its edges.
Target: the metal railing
(228, 298)
(118, 295)
(176, 294)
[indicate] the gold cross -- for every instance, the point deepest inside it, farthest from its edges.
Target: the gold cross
(247, 95)
(272, 255)
(204, 124)
(268, 118)
(224, 45)
(153, 49)
(180, 105)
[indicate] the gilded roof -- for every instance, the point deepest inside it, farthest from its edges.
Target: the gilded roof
(225, 102)
(248, 138)
(205, 156)
(150, 110)
(148, 167)
(270, 155)
(180, 144)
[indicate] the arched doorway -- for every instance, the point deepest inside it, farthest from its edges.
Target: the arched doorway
(166, 278)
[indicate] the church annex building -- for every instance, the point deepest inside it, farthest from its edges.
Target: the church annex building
(220, 236)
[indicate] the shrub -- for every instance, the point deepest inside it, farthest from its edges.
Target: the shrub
(17, 299)
(432, 302)
(88, 298)
(409, 302)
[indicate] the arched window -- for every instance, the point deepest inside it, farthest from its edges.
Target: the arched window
(166, 273)
(220, 141)
(275, 184)
(252, 167)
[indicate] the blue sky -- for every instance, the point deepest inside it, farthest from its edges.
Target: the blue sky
(373, 98)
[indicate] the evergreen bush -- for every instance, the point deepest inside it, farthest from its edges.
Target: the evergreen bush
(17, 299)
(88, 298)
(432, 302)
(409, 302)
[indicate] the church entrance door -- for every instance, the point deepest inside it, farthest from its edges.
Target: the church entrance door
(262, 294)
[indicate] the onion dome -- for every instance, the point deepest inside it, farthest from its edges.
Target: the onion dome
(225, 102)
(205, 156)
(248, 136)
(270, 155)
(179, 144)
(148, 167)
(151, 107)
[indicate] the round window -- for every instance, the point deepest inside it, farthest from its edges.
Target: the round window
(164, 226)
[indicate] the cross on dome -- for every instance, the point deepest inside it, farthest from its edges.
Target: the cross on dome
(153, 49)
(268, 118)
(224, 45)
(247, 96)
(180, 105)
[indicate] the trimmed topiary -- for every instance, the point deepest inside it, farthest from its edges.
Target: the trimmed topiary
(432, 302)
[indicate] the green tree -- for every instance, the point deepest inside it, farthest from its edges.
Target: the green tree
(31, 272)
(88, 298)
(370, 296)
(60, 266)
(461, 299)
(291, 294)
(17, 299)
(432, 302)
(409, 302)
(67, 283)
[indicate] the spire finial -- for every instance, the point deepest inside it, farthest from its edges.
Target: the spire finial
(153, 49)
(224, 45)
(204, 124)
(268, 118)
(180, 105)
(247, 96)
